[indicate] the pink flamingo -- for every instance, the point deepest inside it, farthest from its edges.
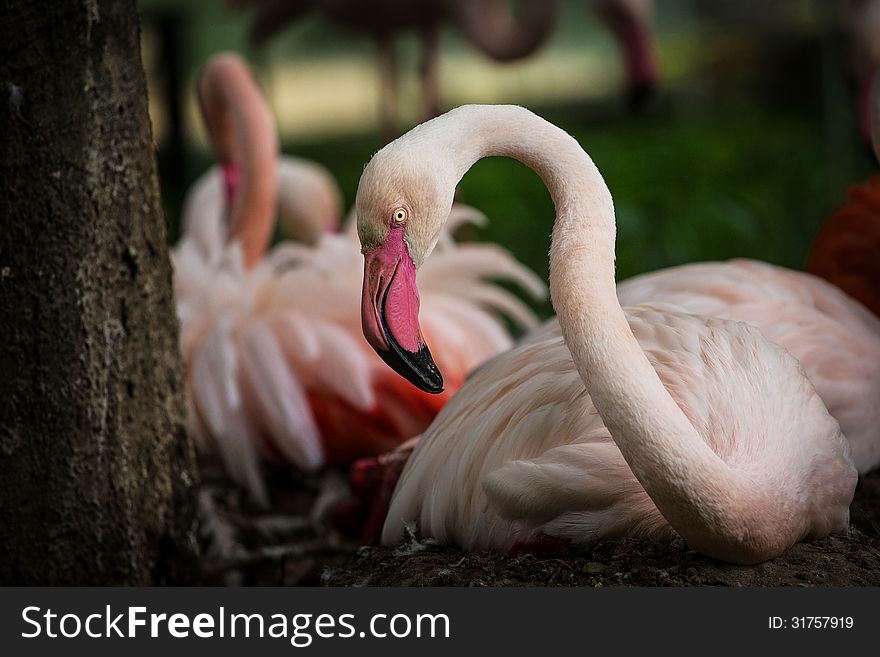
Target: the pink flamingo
(271, 338)
(245, 145)
(835, 341)
(645, 422)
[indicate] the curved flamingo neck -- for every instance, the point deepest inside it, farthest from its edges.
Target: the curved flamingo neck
(690, 484)
(243, 136)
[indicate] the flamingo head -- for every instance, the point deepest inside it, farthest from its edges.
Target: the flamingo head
(402, 205)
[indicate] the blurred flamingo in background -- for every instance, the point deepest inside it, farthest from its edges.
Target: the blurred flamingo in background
(276, 362)
(846, 251)
(488, 25)
(242, 133)
(245, 144)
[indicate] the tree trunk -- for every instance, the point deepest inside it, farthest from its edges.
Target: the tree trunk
(96, 471)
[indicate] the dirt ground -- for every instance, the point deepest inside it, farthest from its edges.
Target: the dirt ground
(289, 545)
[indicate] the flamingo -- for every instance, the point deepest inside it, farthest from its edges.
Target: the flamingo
(487, 24)
(306, 194)
(647, 421)
(271, 339)
(836, 340)
(846, 250)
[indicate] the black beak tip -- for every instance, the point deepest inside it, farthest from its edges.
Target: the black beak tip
(416, 367)
(432, 379)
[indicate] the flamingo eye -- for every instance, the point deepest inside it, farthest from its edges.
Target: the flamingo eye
(399, 216)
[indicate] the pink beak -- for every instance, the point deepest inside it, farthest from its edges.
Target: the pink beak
(390, 313)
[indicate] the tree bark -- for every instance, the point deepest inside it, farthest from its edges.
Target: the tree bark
(96, 471)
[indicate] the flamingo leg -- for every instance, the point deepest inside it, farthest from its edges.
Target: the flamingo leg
(372, 480)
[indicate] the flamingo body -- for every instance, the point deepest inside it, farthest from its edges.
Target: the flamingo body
(835, 339)
(522, 452)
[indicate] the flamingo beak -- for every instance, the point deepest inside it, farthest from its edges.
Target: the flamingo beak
(390, 313)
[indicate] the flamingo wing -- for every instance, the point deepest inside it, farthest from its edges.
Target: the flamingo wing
(836, 339)
(521, 451)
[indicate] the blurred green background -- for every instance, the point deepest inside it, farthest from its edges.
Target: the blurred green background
(747, 147)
